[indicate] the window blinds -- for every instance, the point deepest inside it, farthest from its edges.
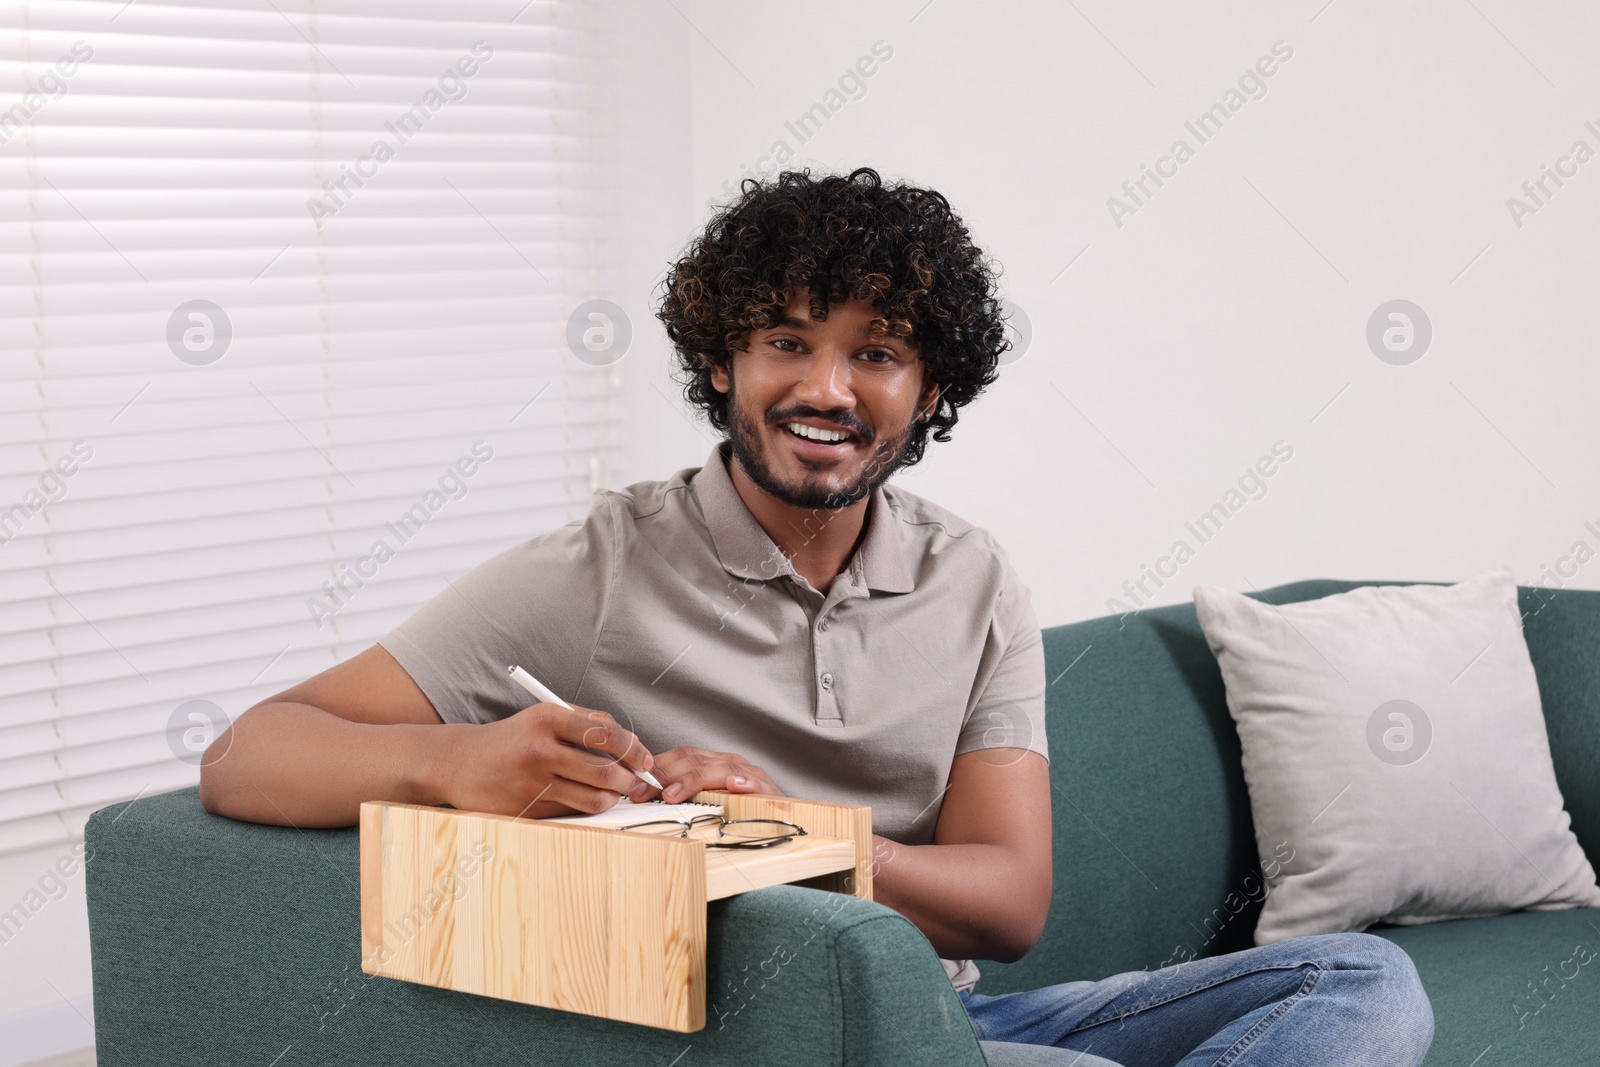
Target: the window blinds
(285, 291)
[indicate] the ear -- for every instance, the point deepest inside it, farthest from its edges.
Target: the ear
(929, 402)
(719, 375)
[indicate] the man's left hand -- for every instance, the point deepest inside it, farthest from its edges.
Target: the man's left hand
(685, 770)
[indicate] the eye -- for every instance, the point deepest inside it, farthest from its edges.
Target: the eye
(888, 357)
(780, 342)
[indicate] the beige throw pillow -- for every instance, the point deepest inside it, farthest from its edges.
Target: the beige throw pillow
(1393, 740)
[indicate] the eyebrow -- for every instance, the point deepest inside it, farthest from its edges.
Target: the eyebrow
(794, 322)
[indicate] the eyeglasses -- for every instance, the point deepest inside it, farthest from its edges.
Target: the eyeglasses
(731, 833)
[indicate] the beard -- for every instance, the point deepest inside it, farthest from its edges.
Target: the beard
(812, 491)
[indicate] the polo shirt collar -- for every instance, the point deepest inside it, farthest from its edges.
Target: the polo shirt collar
(745, 549)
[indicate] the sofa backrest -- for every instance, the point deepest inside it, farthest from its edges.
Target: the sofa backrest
(1155, 853)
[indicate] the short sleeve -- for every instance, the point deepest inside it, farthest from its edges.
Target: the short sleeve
(540, 605)
(1007, 708)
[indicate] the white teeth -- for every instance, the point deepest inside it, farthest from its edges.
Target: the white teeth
(815, 434)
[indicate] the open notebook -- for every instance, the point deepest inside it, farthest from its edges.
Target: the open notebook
(626, 812)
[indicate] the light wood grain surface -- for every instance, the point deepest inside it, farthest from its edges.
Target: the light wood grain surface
(605, 922)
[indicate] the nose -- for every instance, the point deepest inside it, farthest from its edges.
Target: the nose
(825, 383)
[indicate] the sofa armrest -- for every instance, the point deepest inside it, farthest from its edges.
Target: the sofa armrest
(221, 941)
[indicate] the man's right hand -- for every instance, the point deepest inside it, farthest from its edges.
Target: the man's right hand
(543, 761)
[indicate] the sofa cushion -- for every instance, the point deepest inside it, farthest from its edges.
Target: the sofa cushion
(1396, 756)
(1520, 990)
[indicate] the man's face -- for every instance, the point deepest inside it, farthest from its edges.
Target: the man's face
(833, 375)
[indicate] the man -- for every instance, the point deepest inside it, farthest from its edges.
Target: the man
(780, 620)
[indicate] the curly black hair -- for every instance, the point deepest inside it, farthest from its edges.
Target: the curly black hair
(838, 237)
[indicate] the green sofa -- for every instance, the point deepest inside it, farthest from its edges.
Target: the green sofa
(216, 941)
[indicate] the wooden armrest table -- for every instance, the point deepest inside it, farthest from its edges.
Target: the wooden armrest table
(595, 920)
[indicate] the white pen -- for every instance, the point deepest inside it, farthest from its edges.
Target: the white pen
(538, 689)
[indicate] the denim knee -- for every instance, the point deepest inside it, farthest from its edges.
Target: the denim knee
(1405, 985)
(1396, 989)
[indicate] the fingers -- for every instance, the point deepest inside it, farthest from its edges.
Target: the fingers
(548, 742)
(599, 732)
(674, 763)
(686, 771)
(689, 785)
(566, 797)
(683, 770)
(733, 777)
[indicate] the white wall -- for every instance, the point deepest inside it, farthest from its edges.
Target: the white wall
(657, 215)
(45, 1003)
(1228, 311)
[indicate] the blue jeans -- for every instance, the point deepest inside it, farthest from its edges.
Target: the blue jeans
(1328, 1000)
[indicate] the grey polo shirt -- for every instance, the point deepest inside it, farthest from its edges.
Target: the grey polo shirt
(669, 607)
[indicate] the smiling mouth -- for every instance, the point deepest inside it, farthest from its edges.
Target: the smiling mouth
(816, 447)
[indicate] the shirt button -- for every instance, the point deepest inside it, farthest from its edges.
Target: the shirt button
(822, 626)
(827, 680)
